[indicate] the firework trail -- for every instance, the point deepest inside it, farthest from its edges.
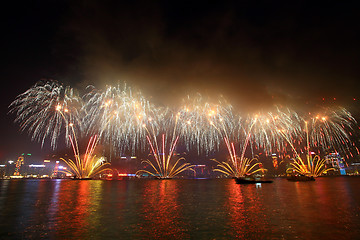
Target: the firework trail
(125, 120)
(331, 129)
(88, 165)
(197, 118)
(206, 125)
(313, 166)
(46, 110)
(115, 115)
(166, 164)
(265, 132)
(239, 166)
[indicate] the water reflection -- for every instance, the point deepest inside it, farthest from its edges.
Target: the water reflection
(10, 208)
(78, 202)
(161, 210)
(54, 202)
(322, 209)
(245, 208)
(328, 208)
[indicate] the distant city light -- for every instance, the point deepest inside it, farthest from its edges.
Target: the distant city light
(17, 176)
(37, 165)
(125, 175)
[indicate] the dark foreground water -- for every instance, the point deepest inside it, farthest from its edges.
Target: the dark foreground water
(328, 208)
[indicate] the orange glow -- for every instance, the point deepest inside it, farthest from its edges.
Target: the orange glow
(165, 222)
(239, 221)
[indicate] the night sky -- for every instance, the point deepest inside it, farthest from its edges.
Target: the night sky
(255, 53)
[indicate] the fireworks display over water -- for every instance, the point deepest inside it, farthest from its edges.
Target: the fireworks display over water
(123, 119)
(212, 75)
(234, 92)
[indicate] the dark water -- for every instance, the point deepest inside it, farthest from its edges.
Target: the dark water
(328, 208)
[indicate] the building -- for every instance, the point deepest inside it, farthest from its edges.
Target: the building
(334, 160)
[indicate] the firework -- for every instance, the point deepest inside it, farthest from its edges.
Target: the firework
(265, 134)
(313, 166)
(124, 120)
(331, 129)
(161, 120)
(116, 114)
(238, 166)
(197, 118)
(46, 110)
(165, 165)
(328, 131)
(88, 165)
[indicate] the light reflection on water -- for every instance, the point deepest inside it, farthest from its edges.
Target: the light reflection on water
(179, 209)
(161, 210)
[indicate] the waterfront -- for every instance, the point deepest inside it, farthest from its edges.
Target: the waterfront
(328, 208)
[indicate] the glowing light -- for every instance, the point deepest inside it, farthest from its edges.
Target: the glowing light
(127, 175)
(123, 119)
(36, 166)
(165, 166)
(312, 166)
(117, 123)
(88, 165)
(17, 176)
(35, 113)
(238, 166)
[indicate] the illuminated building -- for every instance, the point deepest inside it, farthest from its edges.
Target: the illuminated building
(56, 168)
(18, 164)
(2, 171)
(334, 160)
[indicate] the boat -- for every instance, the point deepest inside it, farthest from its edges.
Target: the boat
(300, 178)
(250, 180)
(86, 178)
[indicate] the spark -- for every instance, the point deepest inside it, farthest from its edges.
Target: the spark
(165, 165)
(238, 166)
(45, 110)
(313, 166)
(88, 165)
(114, 115)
